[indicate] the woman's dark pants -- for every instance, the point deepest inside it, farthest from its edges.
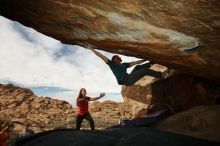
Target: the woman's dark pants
(80, 118)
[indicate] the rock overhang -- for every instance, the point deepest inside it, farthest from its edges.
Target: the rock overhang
(178, 34)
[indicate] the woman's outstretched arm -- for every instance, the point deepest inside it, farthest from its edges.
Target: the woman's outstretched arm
(96, 98)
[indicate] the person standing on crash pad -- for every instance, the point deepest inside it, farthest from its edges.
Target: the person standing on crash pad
(82, 109)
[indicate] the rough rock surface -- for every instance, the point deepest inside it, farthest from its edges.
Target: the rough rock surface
(176, 33)
(108, 113)
(139, 96)
(30, 112)
(114, 137)
(201, 122)
(179, 91)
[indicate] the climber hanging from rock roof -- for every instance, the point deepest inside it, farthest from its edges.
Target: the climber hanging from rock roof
(119, 69)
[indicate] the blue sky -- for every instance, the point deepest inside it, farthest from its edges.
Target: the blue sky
(32, 60)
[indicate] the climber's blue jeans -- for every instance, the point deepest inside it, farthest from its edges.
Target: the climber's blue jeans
(139, 72)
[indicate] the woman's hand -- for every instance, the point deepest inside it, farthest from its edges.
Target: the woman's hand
(102, 95)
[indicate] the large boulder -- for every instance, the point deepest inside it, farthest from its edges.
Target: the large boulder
(176, 33)
(112, 137)
(29, 112)
(106, 113)
(179, 92)
(201, 122)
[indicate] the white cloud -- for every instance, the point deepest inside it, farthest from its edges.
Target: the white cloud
(29, 58)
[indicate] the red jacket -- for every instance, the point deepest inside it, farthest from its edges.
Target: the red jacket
(82, 106)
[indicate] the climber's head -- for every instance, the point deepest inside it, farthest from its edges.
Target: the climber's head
(116, 59)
